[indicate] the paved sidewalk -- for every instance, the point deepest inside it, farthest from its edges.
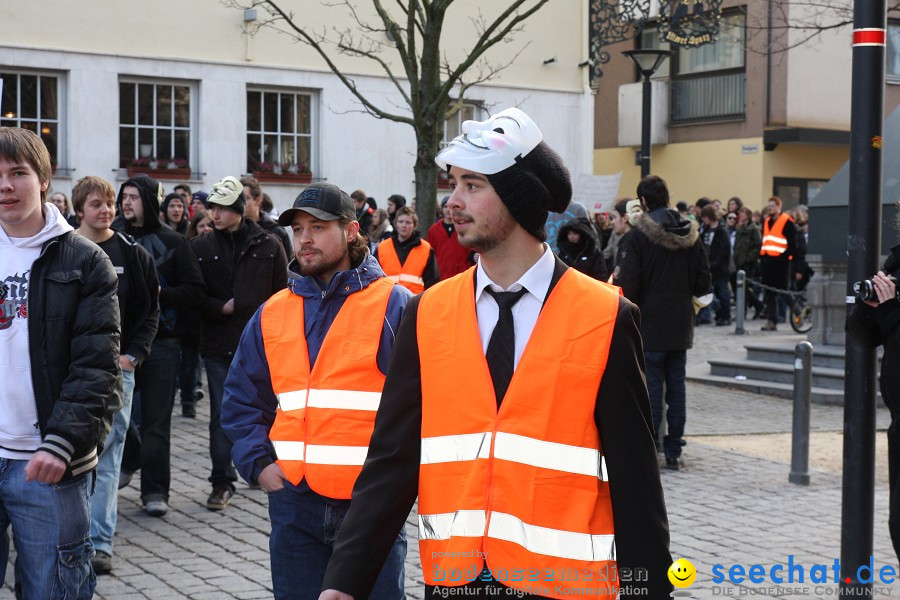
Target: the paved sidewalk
(731, 505)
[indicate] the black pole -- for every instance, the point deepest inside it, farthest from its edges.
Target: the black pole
(864, 244)
(645, 126)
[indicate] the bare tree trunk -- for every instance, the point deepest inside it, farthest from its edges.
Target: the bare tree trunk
(426, 179)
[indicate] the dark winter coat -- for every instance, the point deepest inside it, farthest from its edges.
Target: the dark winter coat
(880, 326)
(718, 250)
(747, 242)
(278, 231)
(585, 256)
(179, 274)
(140, 316)
(249, 266)
(73, 331)
(664, 266)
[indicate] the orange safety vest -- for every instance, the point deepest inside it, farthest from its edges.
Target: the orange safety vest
(524, 487)
(409, 274)
(773, 242)
(326, 415)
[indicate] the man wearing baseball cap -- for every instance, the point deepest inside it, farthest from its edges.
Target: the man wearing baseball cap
(303, 388)
(242, 266)
(515, 408)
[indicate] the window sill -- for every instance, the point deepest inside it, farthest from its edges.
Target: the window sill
(182, 175)
(270, 177)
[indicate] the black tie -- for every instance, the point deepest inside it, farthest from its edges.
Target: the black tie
(501, 350)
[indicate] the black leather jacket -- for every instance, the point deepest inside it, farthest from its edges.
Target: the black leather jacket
(73, 339)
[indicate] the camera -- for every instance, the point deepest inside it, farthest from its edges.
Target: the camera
(865, 289)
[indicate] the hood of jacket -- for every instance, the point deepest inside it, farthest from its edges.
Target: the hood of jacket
(586, 245)
(55, 225)
(414, 240)
(151, 195)
(343, 283)
(667, 228)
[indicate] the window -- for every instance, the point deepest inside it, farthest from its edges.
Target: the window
(469, 111)
(280, 132)
(155, 124)
(892, 60)
(709, 81)
(794, 191)
(31, 101)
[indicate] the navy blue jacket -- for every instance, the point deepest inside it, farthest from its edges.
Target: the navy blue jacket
(249, 404)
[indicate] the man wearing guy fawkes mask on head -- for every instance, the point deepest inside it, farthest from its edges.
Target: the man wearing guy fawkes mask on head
(541, 456)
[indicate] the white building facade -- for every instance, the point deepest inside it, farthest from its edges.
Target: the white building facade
(195, 98)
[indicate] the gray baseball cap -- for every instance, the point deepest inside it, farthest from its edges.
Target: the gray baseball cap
(324, 201)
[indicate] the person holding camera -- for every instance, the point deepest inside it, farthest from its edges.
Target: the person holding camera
(875, 321)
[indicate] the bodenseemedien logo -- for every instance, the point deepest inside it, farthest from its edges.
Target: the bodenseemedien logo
(682, 574)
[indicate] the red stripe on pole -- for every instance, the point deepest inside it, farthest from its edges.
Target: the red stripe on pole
(868, 37)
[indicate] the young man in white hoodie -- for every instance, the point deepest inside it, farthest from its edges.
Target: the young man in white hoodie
(59, 352)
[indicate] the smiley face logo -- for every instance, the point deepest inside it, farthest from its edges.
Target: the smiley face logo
(682, 573)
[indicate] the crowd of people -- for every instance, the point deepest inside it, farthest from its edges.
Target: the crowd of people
(153, 287)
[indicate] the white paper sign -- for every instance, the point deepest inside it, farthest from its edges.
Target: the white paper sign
(597, 192)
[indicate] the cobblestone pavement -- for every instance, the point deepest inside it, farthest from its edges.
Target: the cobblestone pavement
(732, 504)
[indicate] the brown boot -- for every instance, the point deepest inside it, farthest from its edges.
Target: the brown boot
(770, 326)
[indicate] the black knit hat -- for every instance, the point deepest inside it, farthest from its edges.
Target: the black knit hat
(539, 182)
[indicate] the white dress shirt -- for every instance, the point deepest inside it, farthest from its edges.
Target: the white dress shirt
(525, 312)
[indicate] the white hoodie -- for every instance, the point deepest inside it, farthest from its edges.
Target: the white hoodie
(19, 431)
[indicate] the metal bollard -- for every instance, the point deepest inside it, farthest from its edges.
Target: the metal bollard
(740, 302)
(802, 395)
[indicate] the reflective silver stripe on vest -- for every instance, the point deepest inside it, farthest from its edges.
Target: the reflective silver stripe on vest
(411, 279)
(443, 526)
(455, 448)
(778, 249)
(336, 455)
(550, 455)
(292, 400)
(288, 450)
(552, 542)
(344, 399)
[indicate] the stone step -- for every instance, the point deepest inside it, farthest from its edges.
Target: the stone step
(823, 356)
(819, 395)
(824, 377)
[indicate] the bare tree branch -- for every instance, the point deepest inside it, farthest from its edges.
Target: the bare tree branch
(494, 33)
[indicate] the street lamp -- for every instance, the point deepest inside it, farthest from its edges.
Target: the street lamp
(647, 61)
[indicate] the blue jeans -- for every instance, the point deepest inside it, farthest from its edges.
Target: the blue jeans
(51, 528)
(667, 369)
(155, 379)
(219, 445)
(304, 529)
(104, 503)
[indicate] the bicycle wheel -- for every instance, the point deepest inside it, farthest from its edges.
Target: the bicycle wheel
(801, 316)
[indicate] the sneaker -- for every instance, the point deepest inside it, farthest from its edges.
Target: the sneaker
(156, 508)
(722, 322)
(102, 563)
(125, 478)
(199, 395)
(219, 498)
(189, 411)
(770, 326)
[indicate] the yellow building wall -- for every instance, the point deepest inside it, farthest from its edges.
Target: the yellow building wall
(722, 169)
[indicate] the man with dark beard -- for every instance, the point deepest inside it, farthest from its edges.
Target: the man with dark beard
(304, 385)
